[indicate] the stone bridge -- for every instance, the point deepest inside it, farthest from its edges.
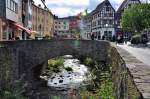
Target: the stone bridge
(27, 58)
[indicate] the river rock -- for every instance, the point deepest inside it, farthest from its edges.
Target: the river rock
(60, 81)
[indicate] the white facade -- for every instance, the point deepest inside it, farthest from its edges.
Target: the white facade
(86, 33)
(29, 14)
(12, 10)
(61, 26)
(103, 22)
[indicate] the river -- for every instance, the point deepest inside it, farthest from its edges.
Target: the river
(66, 84)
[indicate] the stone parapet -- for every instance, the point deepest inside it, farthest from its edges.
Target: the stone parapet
(131, 77)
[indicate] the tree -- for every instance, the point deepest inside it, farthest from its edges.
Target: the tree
(136, 18)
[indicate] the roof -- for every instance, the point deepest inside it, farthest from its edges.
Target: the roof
(101, 5)
(123, 4)
(67, 18)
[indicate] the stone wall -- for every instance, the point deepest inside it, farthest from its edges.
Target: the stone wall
(131, 77)
(8, 66)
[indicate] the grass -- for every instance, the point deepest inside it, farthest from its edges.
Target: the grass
(55, 65)
(16, 92)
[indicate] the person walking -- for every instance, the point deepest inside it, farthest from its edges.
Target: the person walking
(92, 36)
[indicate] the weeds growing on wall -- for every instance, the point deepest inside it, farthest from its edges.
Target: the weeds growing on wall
(15, 92)
(100, 86)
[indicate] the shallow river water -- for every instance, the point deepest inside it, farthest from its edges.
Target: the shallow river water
(70, 79)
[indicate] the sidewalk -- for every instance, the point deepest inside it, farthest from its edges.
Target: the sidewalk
(142, 53)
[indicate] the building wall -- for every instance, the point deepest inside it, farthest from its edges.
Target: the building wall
(1, 29)
(103, 21)
(2, 11)
(42, 21)
(62, 27)
(12, 11)
(87, 27)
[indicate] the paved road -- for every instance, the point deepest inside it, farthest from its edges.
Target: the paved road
(141, 53)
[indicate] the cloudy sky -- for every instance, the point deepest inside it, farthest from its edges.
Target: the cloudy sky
(63, 8)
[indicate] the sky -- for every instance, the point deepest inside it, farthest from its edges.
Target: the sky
(64, 8)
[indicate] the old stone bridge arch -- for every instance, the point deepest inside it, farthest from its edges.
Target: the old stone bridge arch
(32, 55)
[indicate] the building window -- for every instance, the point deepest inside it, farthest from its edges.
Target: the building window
(105, 33)
(110, 33)
(99, 22)
(12, 5)
(110, 22)
(107, 8)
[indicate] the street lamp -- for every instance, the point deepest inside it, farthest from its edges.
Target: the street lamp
(106, 31)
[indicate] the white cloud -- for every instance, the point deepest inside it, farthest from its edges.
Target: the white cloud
(64, 11)
(64, 8)
(69, 2)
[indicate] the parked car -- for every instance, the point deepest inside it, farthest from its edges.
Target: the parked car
(39, 37)
(139, 39)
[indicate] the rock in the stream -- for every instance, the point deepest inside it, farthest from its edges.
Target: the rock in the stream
(61, 76)
(60, 81)
(52, 77)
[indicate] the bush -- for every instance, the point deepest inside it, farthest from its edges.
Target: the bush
(55, 64)
(14, 92)
(136, 39)
(88, 61)
(106, 89)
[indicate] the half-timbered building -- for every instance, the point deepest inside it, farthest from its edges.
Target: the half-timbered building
(103, 20)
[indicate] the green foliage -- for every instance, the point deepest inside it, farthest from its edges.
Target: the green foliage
(56, 97)
(136, 18)
(88, 61)
(15, 92)
(55, 64)
(105, 91)
(68, 69)
(100, 86)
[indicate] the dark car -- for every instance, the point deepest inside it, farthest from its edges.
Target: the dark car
(144, 38)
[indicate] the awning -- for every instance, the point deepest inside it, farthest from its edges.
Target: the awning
(23, 28)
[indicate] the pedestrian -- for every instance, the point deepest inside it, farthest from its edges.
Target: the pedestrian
(99, 37)
(92, 36)
(118, 39)
(125, 39)
(103, 37)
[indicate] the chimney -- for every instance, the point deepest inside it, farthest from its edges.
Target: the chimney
(39, 5)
